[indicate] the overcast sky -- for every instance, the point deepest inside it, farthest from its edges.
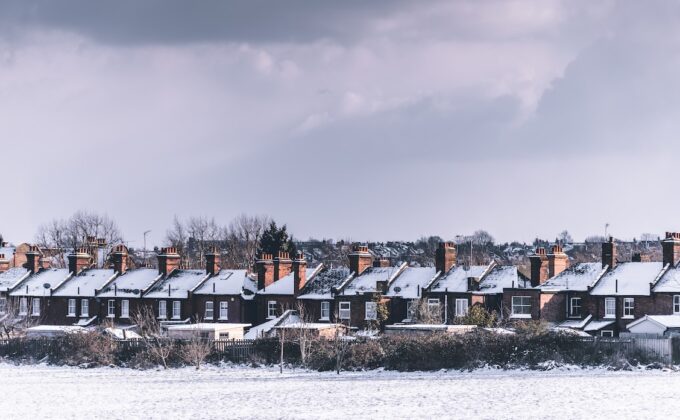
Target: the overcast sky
(365, 120)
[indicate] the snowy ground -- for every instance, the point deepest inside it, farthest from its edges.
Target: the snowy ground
(237, 392)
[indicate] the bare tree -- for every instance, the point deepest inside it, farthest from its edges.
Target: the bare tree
(424, 313)
(241, 239)
(159, 348)
(196, 349)
(60, 235)
(303, 334)
(13, 320)
(341, 345)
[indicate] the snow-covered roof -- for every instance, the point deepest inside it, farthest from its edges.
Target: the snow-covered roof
(125, 285)
(668, 321)
(11, 277)
(177, 285)
(501, 277)
(577, 278)
(628, 279)
(319, 288)
(410, 282)
(84, 284)
(227, 282)
(669, 282)
(7, 251)
(285, 286)
(597, 325)
(262, 330)
(34, 284)
(576, 323)
(367, 281)
(456, 280)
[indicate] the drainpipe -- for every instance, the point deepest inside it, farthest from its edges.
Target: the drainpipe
(446, 308)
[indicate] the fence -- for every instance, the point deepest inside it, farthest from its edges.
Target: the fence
(236, 350)
(653, 348)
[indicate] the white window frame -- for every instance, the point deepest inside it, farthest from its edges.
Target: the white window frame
(162, 309)
(209, 312)
(224, 310)
(433, 303)
(125, 308)
(111, 308)
(325, 310)
(628, 307)
(607, 333)
(610, 307)
(371, 311)
(3, 305)
(176, 309)
(344, 310)
(572, 306)
(71, 311)
(520, 302)
(84, 307)
(23, 306)
(676, 304)
(462, 307)
(271, 309)
(35, 307)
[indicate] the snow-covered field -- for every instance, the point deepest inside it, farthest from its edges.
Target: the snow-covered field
(238, 392)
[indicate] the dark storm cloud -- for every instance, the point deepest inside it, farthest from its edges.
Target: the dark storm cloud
(181, 21)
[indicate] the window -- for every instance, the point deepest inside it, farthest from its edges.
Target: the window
(3, 305)
(628, 304)
(71, 307)
(521, 306)
(84, 307)
(575, 307)
(344, 310)
(224, 335)
(371, 311)
(676, 304)
(162, 309)
(224, 310)
(410, 309)
(111, 308)
(125, 308)
(176, 309)
(607, 333)
(461, 307)
(610, 307)
(271, 309)
(325, 311)
(35, 310)
(433, 304)
(23, 306)
(209, 310)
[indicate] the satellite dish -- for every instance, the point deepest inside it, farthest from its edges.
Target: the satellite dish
(136, 291)
(47, 285)
(397, 289)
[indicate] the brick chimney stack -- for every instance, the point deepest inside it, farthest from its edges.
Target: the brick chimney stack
(609, 253)
(360, 259)
(381, 262)
(168, 260)
(4, 263)
(212, 261)
(299, 273)
(265, 271)
(445, 257)
(558, 261)
(33, 259)
(79, 260)
(539, 267)
(119, 257)
(671, 249)
(282, 265)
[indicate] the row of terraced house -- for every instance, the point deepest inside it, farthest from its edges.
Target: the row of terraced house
(598, 298)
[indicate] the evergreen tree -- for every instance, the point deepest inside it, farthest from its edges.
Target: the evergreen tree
(275, 239)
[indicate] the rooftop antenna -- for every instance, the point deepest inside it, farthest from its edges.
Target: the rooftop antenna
(606, 231)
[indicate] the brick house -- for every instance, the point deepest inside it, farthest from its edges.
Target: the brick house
(406, 291)
(172, 295)
(227, 296)
(279, 282)
(121, 298)
(318, 295)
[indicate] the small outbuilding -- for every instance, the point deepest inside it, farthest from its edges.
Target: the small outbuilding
(662, 325)
(207, 331)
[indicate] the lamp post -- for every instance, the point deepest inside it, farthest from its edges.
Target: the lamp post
(145, 233)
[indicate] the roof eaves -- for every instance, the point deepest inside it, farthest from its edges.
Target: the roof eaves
(396, 274)
(18, 282)
(434, 279)
(67, 278)
(598, 278)
(663, 271)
